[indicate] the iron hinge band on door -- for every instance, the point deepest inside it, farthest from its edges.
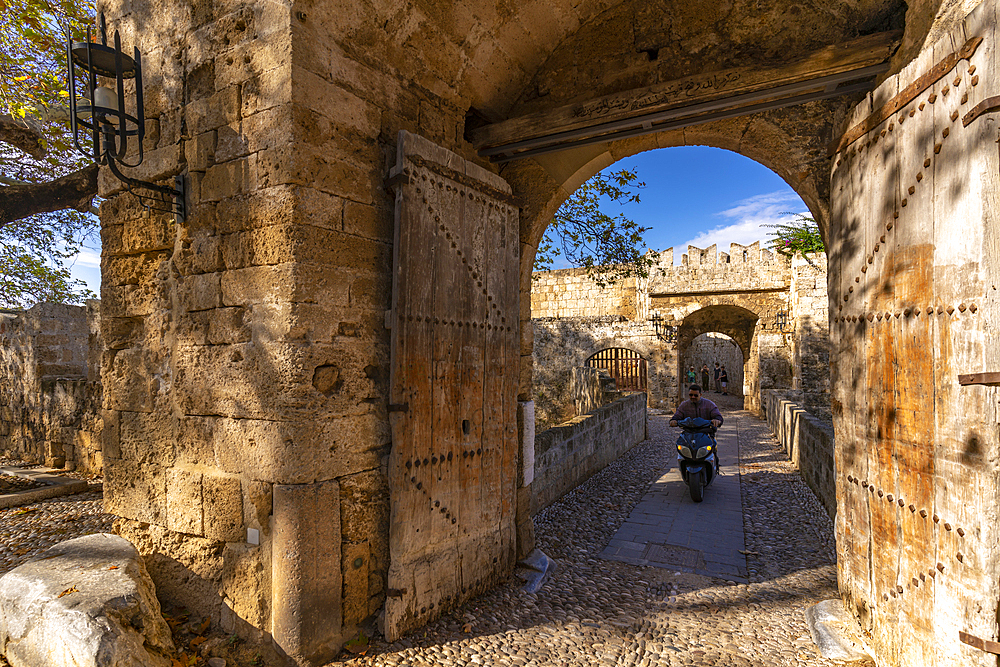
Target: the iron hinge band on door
(986, 645)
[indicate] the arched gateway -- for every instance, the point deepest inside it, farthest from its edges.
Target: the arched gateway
(255, 426)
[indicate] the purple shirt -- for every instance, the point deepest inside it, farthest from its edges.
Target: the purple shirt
(705, 409)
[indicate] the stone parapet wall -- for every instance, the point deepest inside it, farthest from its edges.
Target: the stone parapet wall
(811, 342)
(50, 388)
(592, 388)
(569, 454)
(808, 441)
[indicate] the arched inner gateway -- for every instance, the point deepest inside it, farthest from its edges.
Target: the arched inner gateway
(709, 349)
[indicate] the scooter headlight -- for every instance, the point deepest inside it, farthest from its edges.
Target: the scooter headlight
(685, 452)
(703, 452)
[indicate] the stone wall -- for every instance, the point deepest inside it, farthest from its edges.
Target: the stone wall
(563, 344)
(808, 441)
(572, 293)
(569, 454)
(591, 388)
(50, 386)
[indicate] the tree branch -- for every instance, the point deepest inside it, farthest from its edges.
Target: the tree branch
(75, 190)
(21, 135)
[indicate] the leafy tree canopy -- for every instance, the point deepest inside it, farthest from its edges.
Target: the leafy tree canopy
(36, 149)
(609, 247)
(798, 235)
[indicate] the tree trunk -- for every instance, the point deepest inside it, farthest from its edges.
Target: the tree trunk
(75, 190)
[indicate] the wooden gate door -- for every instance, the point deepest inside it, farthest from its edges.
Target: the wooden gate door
(914, 249)
(627, 367)
(454, 377)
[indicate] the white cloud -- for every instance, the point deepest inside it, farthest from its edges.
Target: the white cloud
(88, 257)
(747, 221)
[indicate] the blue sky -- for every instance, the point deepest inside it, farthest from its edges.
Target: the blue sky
(694, 195)
(699, 196)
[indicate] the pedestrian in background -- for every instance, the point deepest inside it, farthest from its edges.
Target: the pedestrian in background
(716, 378)
(692, 376)
(704, 375)
(724, 379)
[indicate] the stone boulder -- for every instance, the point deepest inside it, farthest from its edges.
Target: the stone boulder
(86, 602)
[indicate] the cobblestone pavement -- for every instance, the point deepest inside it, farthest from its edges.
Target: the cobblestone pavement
(28, 530)
(593, 611)
(598, 612)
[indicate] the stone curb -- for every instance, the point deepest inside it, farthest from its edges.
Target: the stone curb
(55, 486)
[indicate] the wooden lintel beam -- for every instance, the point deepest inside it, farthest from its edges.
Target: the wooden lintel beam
(836, 59)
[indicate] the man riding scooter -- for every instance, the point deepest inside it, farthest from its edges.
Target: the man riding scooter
(696, 406)
(697, 449)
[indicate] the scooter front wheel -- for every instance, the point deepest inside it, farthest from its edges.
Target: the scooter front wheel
(696, 483)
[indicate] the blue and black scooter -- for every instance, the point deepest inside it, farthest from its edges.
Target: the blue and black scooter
(696, 455)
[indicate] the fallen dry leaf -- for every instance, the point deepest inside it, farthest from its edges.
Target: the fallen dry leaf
(72, 589)
(197, 641)
(113, 567)
(203, 628)
(467, 628)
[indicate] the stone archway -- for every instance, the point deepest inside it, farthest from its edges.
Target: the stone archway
(246, 377)
(711, 348)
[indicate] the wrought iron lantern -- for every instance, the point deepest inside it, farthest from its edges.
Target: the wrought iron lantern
(781, 320)
(663, 331)
(102, 113)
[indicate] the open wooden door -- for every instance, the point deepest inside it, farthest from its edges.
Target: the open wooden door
(454, 376)
(914, 249)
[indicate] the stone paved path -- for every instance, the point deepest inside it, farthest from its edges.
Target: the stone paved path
(669, 530)
(594, 611)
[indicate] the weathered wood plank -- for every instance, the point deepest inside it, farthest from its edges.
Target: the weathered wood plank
(869, 50)
(447, 537)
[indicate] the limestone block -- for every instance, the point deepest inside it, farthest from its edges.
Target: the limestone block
(201, 291)
(248, 60)
(363, 220)
(223, 508)
(158, 165)
(87, 602)
(259, 246)
(145, 234)
(364, 508)
(247, 585)
(267, 90)
(147, 437)
(184, 501)
(257, 505)
(267, 128)
(228, 325)
(211, 113)
(331, 100)
(318, 168)
(300, 452)
(265, 207)
(231, 143)
(306, 578)
(229, 179)
(355, 565)
(199, 151)
(132, 496)
(126, 301)
(131, 269)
